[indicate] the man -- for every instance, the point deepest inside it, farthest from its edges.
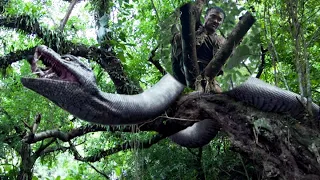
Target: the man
(207, 43)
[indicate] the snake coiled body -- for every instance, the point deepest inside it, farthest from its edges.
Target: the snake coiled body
(197, 135)
(71, 85)
(266, 97)
(253, 92)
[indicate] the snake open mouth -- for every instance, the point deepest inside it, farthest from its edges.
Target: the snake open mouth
(52, 66)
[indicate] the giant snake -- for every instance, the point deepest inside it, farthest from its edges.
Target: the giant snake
(70, 84)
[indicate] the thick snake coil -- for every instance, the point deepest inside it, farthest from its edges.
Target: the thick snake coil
(72, 86)
(256, 93)
(270, 98)
(197, 135)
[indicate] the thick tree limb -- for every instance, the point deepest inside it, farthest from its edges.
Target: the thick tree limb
(12, 57)
(234, 38)
(189, 54)
(31, 26)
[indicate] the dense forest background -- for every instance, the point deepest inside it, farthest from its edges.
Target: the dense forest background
(127, 44)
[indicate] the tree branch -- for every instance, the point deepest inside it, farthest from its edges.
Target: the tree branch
(54, 149)
(129, 145)
(271, 47)
(314, 37)
(42, 148)
(244, 64)
(66, 17)
(76, 132)
(36, 123)
(156, 63)
(98, 171)
(263, 61)
(189, 54)
(64, 136)
(155, 9)
(234, 38)
(12, 57)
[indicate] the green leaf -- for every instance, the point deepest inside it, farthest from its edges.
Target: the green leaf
(118, 171)
(240, 54)
(35, 178)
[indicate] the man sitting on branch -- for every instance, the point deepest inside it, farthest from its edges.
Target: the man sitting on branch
(207, 43)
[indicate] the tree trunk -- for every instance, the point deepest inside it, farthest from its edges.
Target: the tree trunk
(279, 146)
(27, 163)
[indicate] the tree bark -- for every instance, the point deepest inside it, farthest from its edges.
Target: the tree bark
(278, 145)
(189, 53)
(27, 163)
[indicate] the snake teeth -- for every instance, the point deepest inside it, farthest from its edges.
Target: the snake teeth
(52, 69)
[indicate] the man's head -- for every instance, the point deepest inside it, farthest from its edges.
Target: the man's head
(213, 19)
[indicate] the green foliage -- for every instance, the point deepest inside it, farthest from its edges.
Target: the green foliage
(134, 29)
(18, 7)
(168, 161)
(12, 40)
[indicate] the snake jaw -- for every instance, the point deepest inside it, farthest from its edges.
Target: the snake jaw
(76, 91)
(54, 69)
